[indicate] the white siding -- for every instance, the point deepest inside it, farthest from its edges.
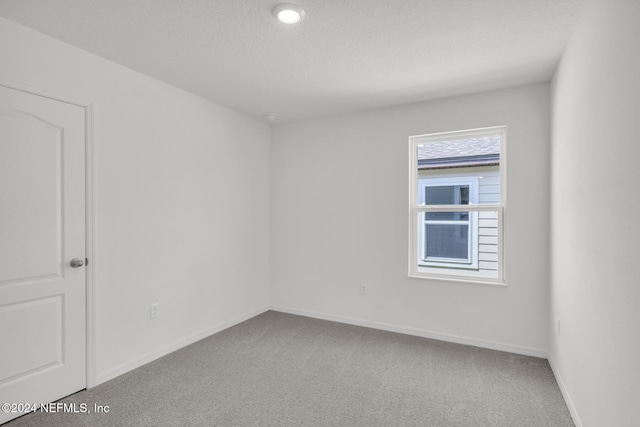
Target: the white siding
(487, 240)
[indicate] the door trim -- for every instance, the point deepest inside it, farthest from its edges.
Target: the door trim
(90, 269)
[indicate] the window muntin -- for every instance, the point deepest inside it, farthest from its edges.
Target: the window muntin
(457, 183)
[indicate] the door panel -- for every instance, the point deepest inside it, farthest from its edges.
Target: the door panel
(43, 325)
(42, 227)
(36, 227)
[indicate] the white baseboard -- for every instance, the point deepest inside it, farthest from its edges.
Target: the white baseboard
(565, 392)
(493, 345)
(183, 342)
(176, 345)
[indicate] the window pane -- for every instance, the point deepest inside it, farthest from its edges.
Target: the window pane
(447, 241)
(446, 195)
(468, 248)
(477, 156)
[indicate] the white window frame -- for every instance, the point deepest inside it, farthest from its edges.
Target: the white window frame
(472, 259)
(418, 268)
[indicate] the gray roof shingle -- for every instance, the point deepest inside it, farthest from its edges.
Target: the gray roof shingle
(459, 152)
(459, 148)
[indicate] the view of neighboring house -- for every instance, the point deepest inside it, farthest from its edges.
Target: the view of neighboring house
(459, 172)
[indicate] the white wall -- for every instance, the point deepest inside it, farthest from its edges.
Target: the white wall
(340, 219)
(595, 230)
(182, 200)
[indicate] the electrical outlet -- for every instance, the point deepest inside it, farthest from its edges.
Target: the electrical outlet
(155, 310)
(363, 289)
(558, 326)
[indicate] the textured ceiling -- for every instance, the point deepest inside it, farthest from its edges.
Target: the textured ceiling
(347, 55)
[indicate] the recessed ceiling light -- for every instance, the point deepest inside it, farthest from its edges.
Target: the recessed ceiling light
(272, 117)
(288, 13)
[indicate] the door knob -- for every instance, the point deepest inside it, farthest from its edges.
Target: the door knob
(76, 262)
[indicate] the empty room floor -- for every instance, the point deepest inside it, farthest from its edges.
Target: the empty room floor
(280, 369)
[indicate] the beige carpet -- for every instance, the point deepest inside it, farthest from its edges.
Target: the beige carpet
(284, 370)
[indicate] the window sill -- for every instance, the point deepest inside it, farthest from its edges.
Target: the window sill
(460, 279)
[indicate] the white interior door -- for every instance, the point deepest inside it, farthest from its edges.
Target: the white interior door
(42, 228)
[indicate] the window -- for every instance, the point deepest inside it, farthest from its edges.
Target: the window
(457, 205)
(448, 238)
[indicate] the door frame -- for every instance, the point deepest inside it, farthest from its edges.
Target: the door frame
(90, 270)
